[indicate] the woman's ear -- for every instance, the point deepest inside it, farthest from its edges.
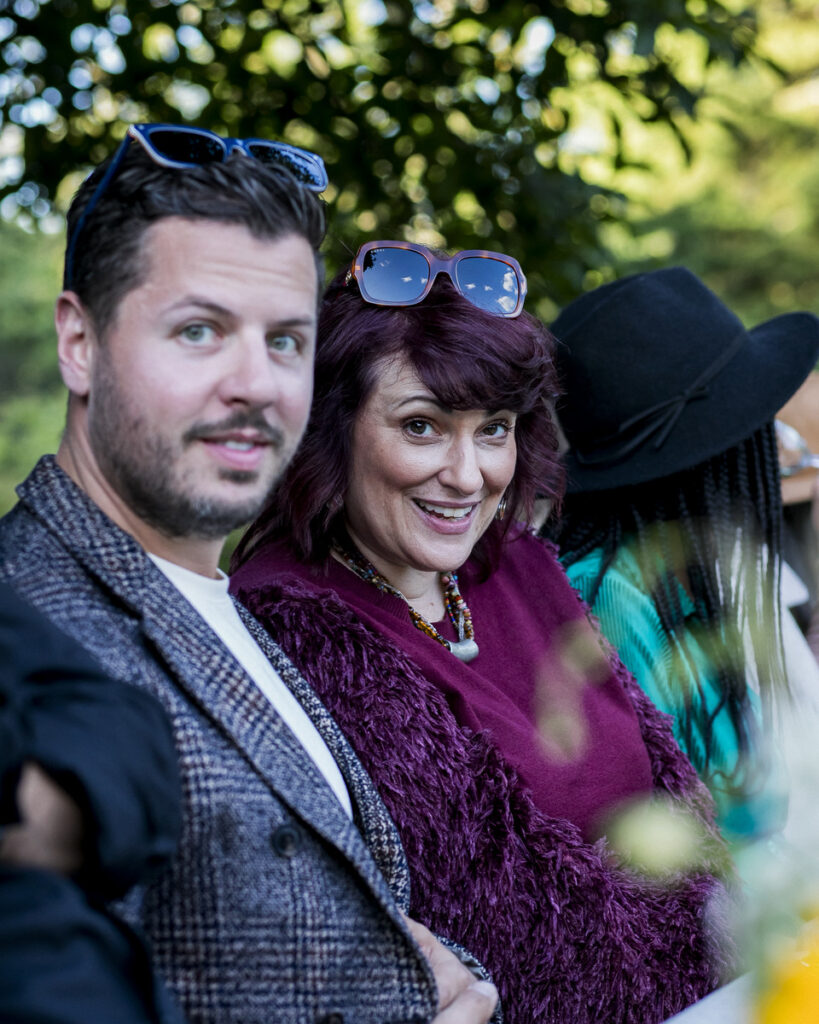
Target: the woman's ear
(76, 340)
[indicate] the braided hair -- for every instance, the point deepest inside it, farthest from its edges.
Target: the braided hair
(714, 531)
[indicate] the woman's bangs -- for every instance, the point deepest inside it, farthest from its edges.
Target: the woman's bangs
(467, 371)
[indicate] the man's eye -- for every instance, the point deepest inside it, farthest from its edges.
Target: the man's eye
(197, 333)
(284, 343)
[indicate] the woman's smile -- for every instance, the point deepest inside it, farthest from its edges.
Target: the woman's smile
(425, 480)
(447, 518)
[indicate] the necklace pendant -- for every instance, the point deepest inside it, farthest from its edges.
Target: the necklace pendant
(464, 650)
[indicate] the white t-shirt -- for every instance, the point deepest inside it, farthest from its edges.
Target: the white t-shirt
(211, 599)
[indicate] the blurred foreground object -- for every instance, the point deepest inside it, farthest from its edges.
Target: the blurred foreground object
(790, 994)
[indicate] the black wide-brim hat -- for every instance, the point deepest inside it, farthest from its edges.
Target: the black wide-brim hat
(659, 375)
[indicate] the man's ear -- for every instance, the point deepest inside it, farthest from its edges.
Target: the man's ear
(76, 342)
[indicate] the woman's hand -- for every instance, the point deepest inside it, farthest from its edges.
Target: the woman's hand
(462, 998)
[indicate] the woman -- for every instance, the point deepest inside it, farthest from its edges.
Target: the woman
(671, 529)
(392, 565)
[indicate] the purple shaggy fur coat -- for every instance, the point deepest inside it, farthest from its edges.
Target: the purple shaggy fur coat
(568, 935)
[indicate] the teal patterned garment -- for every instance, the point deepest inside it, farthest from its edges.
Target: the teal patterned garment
(746, 808)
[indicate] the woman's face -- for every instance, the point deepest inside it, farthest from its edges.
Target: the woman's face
(425, 481)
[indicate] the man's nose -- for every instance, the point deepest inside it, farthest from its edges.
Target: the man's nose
(250, 376)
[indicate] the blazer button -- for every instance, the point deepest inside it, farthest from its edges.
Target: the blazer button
(331, 1018)
(286, 840)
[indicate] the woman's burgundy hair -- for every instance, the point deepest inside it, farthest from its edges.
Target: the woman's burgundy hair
(468, 358)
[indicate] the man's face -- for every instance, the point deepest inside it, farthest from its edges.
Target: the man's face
(200, 390)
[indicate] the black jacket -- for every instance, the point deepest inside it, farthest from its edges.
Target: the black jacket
(63, 958)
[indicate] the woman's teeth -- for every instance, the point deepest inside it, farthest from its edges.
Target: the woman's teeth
(445, 512)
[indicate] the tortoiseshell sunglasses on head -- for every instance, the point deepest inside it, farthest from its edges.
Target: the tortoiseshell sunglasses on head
(402, 274)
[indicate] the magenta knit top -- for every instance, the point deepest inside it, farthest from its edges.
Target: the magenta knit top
(519, 615)
(490, 820)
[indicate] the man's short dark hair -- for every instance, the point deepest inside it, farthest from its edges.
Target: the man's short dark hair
(108, 261)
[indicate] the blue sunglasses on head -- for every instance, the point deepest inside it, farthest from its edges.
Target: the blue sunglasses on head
(185, 146)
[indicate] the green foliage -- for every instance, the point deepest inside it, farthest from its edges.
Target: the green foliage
(30, 426)
(32, 402)
(745, 215)
(30, 275)
(451, 122)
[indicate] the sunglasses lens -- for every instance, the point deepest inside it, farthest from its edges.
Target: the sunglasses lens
(489, 284)
(394, 276)
(305, 167)
(184, 147)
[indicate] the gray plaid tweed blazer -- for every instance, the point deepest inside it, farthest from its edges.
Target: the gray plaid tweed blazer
(277, 907)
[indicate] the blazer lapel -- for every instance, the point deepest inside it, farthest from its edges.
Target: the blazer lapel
(205, 669)
(371, 813)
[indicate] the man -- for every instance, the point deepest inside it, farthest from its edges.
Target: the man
(185, 337)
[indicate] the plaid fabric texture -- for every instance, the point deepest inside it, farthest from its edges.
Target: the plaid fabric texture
(277, 906)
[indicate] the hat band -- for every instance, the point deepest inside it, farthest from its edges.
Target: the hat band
(660, 418)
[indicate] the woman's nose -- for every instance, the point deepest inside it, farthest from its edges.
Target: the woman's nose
(462, 470)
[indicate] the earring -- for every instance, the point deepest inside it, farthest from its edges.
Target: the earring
(331, 508)
(500, 512)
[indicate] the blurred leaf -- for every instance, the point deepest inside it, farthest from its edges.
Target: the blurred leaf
(656, 838)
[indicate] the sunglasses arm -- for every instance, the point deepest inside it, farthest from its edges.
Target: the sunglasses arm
(113, 167)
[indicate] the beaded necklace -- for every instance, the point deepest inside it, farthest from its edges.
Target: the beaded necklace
(464, 648)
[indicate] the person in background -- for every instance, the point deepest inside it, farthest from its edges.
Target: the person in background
(89, 806)
(797, 722)
(185, 335)
(800, 501)
(813, 623)
(671, 528)
(394, 565)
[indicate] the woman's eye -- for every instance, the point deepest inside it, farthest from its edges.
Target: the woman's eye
(283, 343)
(197, 333)
(418, 428)
(499, 428)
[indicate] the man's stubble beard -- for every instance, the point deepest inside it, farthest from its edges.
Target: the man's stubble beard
(140, 465)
